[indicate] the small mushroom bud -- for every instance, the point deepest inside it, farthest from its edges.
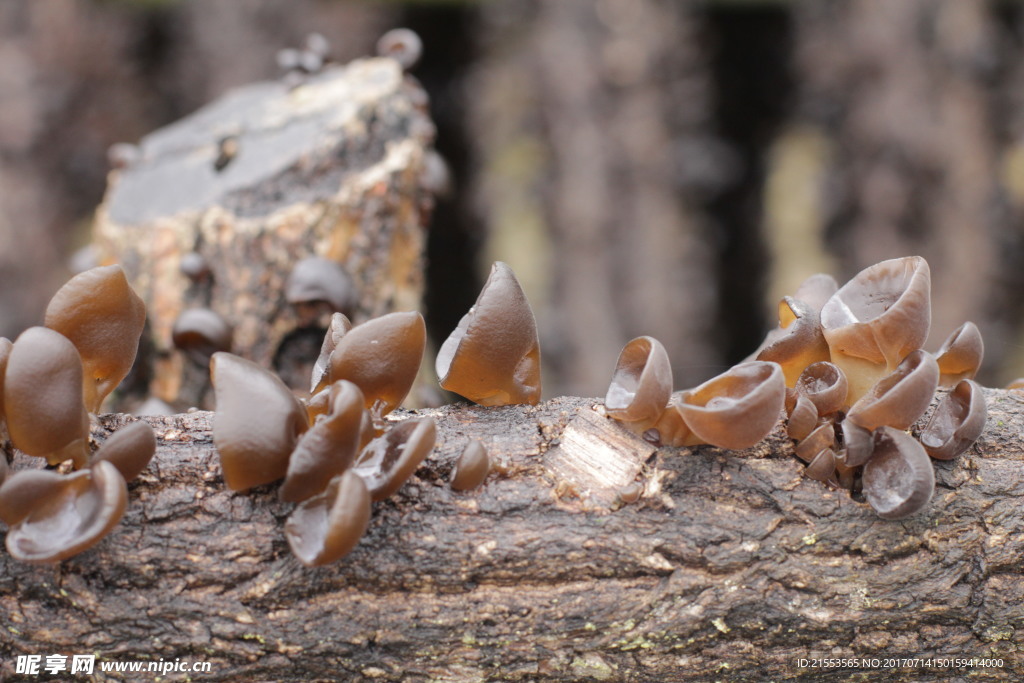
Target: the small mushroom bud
(389, 460)
(493, 356)
(898, 479)
(472, 467)
(671, 428)
(257, 422)
(822, 466)
(898, 399)
(825, 385)
(53, 517)
(382, 357)
(798, 342)
(339, 327)
(960, 355)
(324, 528)
(402, 45)
(328, 448)
(200, 333)
(103, 317)
(641, 384)
(859, 444)
(129, 449)
(823, 436)
(876, 319)
(845, 476)
(43, 398)
(1016, 385)
(317, 279)
(737, 408)
(957, 422)
(194, 266)
(803, 420)
(816, 290)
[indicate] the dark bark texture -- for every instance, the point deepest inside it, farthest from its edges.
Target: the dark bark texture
(730, 566)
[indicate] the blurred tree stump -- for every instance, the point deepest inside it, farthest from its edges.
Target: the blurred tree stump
(730, 565)
(263, 177)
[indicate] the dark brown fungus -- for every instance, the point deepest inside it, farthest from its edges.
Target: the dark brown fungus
(324, 528)
(797, 342)
(825, 385)
(816, 290)
(328, 448)
(641, 384)
(317, 279)
(899, 478)
(823, 436)
(822, 466)
(858, 444)
(257, 423)
(67, 513)
(200, 333)
(5, 352)
(402, 45)
(898, 399)
(339, 327)
(737, 408)
(803, 420)
(389, 460)
(472, 467)
(493, 356)
(957, 422)
(960, 355)
(43, 398)
(103, 317)
(876, 319)
(129, 449)
(382, 357)
(5, 469)
(845, 476)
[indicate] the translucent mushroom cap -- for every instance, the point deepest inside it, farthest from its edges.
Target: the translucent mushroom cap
(326, 527)
(898, 399)
(641, 384)
(957, 422)
(797, 342)
(960, 356)
(493, 356)
(898, 478)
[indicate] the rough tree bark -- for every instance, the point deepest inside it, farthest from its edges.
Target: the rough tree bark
(731, 565)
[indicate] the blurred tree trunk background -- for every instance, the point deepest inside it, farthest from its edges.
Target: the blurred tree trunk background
(646, 167)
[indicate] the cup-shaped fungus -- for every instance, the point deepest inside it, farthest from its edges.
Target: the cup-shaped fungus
(957, 422)
(129, 449)
(641, 384)
(858, 444)
(328, 448)
(898, 399)
(671, 428)
(103, 317)
(324, 528)
(339, 327)
(381, 357)
(317, 279)
(802, 420)
(402, 45)
(493, 356)
(822, 466)
(898, 479)
(53, 516)
(798, 341)
(823, 436)
(960, 355)
(737, 408)
(825, 385)
(200, 333)
(876, 319)
(257, 422)
(43, 397)
(390, 459)
(816, 290)
(472, 467)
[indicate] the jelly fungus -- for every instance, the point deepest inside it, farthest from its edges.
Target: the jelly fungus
(54, 516)
(339, 327)
(43, 398)
(898, 399)
(257, 423)
(823, 436)
(816, 290)
(324, 528)
(493, 356)
(899, 478)
(671, 428)
(802, 420)
(5, 352)
(129, 449)
(797, 342)
(737, 408)
(103, 317)
(471, 468)
(317, 279)
(960, 355)
(957, 422)
(402, 45)
(824, 384)
(382, 357)
(641, 384)
(200, 333)
(822, 466)
(389, 460)
(858, 444)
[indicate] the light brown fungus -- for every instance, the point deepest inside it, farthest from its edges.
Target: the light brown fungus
(960, 356)
(389, 460)
(471, 468)
(129, 449)
(898, 399)
(641, 384)
(957, 422)
(326, 527)
(898, 478)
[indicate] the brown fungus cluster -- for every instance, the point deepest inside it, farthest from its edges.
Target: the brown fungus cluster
(847, 364)
(51, 379)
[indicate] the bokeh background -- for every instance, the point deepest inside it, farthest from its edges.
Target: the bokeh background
(645, 166)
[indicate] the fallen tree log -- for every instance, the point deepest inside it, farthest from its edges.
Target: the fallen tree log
(731, 565)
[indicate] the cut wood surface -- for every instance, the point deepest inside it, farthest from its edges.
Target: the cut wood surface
(731, 566)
